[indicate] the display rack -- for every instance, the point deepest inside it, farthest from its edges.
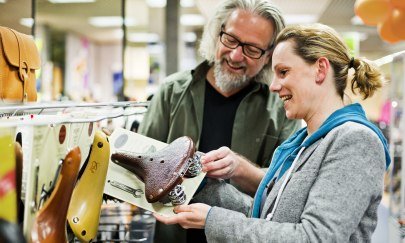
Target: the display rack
(116, 225)
(94, 111)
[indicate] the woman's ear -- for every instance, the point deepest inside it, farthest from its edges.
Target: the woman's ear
(323, 66)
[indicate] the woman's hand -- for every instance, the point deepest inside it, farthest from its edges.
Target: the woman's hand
(187, 216)
(221, 163)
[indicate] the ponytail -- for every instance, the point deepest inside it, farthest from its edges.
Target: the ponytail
(367, 77)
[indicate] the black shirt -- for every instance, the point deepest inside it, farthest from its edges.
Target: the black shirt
(218, 118)
(217, 127)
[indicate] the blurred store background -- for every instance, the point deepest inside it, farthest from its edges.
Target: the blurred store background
(103, 50)
(115, 50)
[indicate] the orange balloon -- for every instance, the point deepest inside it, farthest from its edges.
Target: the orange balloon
(398, 3)
(386, 31)
(371, 12)
(398, 23)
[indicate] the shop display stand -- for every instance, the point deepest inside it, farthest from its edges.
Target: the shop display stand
(81, 119)
(98, 111)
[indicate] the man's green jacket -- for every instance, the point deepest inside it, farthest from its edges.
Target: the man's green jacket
(177, 110)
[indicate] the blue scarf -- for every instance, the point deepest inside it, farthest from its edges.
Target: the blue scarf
(288, 150)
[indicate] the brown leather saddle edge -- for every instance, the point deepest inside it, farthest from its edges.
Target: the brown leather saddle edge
(162, 170)
(50, 222)
(18, 168)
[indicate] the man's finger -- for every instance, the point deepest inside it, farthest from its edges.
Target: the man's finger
(216, 165)
(215, 155)
(220, 174)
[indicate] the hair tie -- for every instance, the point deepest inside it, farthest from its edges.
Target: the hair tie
(351, 63)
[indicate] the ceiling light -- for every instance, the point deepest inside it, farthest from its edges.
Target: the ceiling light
(187, 3)
(192, 20)
(140, 37)
(156, 3)
(110, 21)
(189, 37)
(300, 18)
(27, 22)
(72, 1)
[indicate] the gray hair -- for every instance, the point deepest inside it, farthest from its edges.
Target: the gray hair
(261, 8)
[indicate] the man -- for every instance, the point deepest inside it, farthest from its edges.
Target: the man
(225, 101)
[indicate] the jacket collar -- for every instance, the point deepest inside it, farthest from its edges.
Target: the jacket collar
(273, 193)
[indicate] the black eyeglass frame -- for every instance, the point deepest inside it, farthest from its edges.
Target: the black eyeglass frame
(242, 44)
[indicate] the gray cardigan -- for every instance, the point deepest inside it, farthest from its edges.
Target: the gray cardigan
(332, 195)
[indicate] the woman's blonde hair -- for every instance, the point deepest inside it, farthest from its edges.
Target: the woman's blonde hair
(318, 40)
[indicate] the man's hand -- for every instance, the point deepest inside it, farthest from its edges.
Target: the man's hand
(187, 216)
(221, 163)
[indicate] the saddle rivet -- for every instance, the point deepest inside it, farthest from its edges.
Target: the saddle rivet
(160, 190)
(150, 196)
(75, 220)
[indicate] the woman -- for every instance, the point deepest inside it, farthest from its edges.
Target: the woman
(325, 182)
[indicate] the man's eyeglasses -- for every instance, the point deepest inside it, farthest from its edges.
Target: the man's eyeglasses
(233, 43)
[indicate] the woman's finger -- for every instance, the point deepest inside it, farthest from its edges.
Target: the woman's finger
(165, 219)
(182, 208)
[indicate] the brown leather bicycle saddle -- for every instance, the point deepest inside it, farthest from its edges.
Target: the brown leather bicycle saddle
(162, 170)
(50, 222)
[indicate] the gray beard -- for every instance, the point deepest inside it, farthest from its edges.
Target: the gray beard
(227, 81)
